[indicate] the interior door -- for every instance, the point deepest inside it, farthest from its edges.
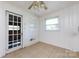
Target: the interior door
(14, 39)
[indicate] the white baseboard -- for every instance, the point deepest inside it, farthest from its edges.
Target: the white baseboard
(30, 43)
(58, 46)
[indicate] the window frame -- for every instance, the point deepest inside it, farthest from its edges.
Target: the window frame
(52, 24)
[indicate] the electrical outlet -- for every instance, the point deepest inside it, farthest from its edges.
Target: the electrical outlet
(31, 39)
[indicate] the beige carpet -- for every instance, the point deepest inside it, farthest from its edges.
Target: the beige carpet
(42, 50)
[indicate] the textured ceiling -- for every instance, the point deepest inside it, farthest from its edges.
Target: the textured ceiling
(52, 6)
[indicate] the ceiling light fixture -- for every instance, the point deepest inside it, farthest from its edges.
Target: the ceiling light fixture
(38, 4)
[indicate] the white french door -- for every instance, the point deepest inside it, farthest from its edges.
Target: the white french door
(14, 31)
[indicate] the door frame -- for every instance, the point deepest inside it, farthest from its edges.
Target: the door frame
(6, 31)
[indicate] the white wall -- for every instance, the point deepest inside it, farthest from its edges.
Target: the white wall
(28, 19)
(68, 35)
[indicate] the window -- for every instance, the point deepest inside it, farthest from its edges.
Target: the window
(52, 24)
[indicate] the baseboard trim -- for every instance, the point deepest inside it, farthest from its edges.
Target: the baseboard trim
(57, 46)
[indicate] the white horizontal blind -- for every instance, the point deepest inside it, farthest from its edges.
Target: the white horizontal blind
(52, 24)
